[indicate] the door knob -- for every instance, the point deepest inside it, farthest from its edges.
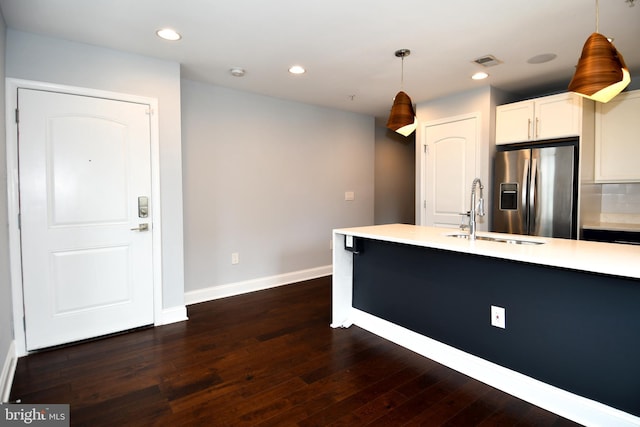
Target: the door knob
(141, 227)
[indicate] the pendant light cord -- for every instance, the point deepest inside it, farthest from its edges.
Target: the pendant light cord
(402, 75)
(597, 17)
(401, 53)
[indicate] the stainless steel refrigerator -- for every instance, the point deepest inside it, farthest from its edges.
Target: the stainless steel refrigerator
(535, 191)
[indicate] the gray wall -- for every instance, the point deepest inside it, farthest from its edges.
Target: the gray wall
(33, 57)
(394, 177)
(6, 325)
(266, 178)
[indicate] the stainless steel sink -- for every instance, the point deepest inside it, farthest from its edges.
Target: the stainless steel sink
(497, 239)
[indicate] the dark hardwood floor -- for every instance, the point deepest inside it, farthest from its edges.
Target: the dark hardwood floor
(267, 358)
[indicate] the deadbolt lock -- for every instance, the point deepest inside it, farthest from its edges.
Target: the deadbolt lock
(143, 207)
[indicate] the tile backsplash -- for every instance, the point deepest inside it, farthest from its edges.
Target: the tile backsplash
(590, 203)
(620, 203)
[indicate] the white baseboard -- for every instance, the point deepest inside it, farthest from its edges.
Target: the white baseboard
(172, 315)
(238, 288)
(8, 370)
(568, 405)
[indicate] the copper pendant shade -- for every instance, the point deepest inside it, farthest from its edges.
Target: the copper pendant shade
(601, 73)
(402, 118)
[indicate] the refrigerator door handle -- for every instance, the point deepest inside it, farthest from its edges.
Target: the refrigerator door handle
(533, 211)
(524, 211)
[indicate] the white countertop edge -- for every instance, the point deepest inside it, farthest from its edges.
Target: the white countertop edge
(613, 226)
(594, 257)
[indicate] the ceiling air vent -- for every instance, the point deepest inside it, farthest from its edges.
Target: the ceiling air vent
(487, 61)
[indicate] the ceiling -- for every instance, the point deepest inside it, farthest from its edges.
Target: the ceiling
(347, 46)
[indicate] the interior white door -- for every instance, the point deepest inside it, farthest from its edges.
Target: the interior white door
(450, 170)
(84, 166)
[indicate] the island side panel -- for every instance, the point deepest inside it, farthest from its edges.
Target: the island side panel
(574, 330)
(341, 283)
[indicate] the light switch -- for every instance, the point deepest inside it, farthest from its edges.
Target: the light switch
(348, 241)
(349, 196)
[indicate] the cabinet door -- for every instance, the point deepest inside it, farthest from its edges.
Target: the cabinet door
(450, 170)
(514, 122)
(618, 139)
(557, 116)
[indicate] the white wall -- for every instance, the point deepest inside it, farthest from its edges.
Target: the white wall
(34, 57)
(266, 178)
(6, 313)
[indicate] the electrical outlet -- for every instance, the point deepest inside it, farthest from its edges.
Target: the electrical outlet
(498, 317)
(235, 258)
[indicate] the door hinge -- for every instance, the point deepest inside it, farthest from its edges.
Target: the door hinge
(19, 221)
(17, 116)
(426, 149)
(150, 112)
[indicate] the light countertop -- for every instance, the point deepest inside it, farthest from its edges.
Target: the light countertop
(614, 226)
(628, 222)
(596, 257)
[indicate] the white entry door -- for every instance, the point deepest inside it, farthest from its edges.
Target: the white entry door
(450, 169)
(85, 187)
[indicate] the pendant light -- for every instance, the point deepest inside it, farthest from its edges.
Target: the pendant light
(402, 118)
(601, 73)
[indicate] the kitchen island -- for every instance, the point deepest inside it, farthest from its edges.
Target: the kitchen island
(572, 308)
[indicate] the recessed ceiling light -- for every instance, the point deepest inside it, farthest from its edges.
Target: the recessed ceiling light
(237, 71)
(480, 75)
(168, 34)
(297, 69)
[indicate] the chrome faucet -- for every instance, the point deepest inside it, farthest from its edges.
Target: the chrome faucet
(475, 209)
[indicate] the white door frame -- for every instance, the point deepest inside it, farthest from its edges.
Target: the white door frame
(15, 259)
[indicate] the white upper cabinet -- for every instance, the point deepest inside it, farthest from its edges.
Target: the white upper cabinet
(549, 117)
(514, 122)
(617, 145)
